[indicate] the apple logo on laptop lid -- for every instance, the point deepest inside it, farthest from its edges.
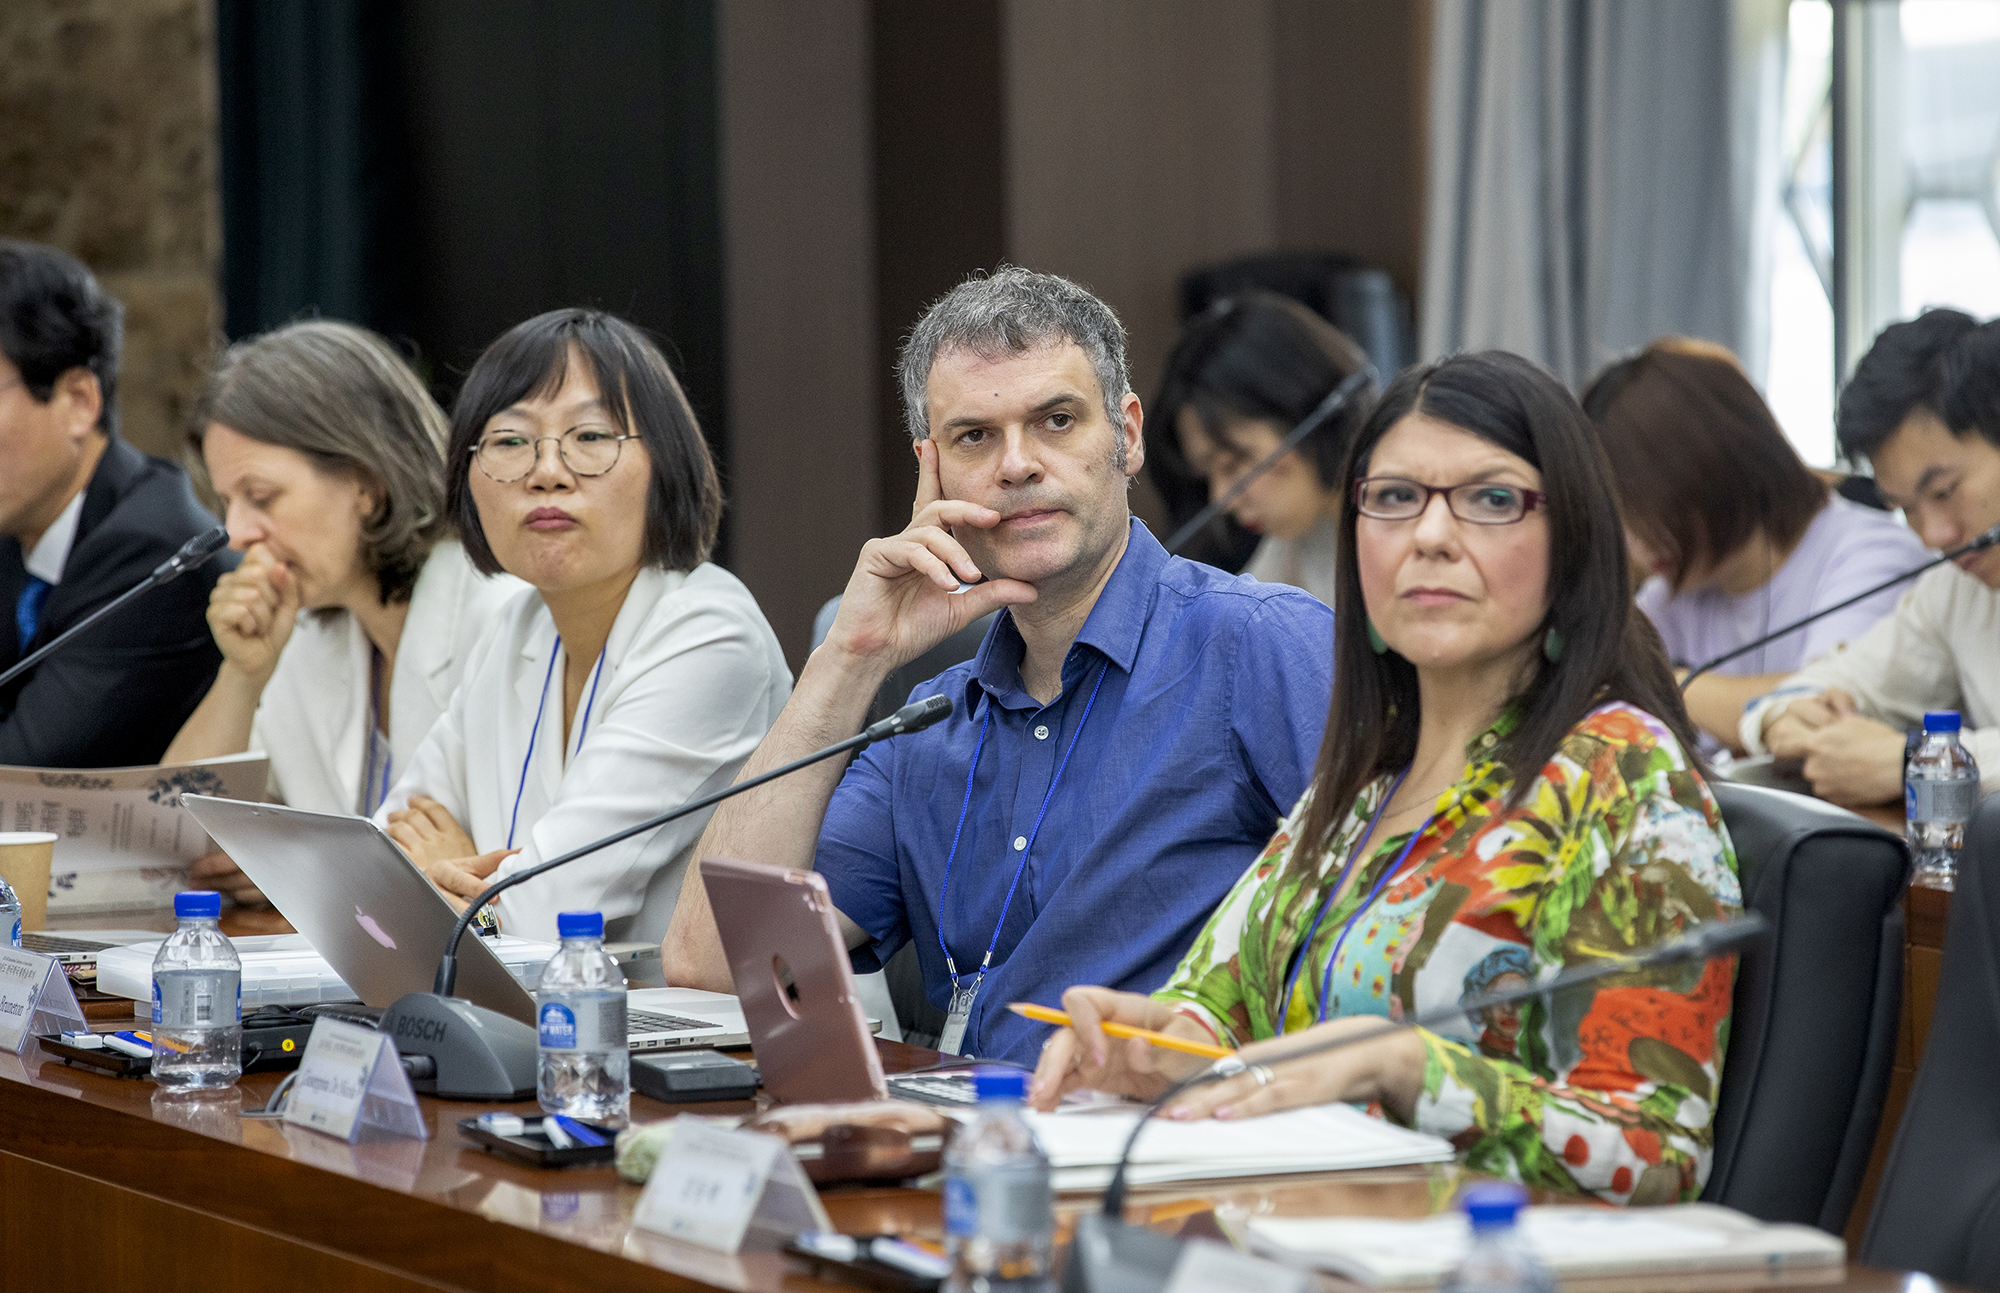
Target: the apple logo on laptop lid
(367, 922)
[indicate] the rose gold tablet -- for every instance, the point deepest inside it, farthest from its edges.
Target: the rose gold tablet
(782, 937)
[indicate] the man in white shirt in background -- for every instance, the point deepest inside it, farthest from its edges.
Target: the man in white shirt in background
(1923, 407)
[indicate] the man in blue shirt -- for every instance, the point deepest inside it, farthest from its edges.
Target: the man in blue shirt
(1125, 742)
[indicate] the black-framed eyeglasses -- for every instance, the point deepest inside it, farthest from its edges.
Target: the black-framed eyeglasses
(507, 456)
(1395, 498)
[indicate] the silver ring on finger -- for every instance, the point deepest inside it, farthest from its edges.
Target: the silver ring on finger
(1263, 1074)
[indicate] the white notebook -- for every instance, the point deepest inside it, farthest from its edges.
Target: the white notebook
(1083, 1146)
(1576, 1242)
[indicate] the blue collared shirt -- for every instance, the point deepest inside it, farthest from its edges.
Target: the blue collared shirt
(1203, 736)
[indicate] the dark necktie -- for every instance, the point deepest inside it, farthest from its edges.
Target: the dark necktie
(28, 610)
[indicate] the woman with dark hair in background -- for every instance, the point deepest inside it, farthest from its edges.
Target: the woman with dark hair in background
(1735, 534)
(632, 676)
(327, 455)
(1241, 376)
(1506, 786)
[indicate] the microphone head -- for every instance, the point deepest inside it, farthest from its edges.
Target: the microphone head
(201, 547)
(918, 715)
(1985, 541)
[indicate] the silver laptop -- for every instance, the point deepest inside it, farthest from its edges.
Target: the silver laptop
(381, 924)
(81, 946)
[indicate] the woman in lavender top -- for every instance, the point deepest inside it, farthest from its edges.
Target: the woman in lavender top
(1732, 533)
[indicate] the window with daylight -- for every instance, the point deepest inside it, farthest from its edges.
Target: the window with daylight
(1890, 196)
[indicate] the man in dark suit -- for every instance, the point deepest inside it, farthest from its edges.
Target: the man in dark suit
(83, 517)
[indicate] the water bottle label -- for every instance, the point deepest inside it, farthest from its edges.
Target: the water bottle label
(1004, 1204)
(558, 1027)
(961, 1207)
(17, 931)
(1941, 801)
(198, 1000)
(584, 1025)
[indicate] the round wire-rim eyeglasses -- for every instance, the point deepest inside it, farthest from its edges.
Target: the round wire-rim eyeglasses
(482, 453)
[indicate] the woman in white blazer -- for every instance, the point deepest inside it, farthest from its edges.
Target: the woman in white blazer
(344, 630)
(631, 677)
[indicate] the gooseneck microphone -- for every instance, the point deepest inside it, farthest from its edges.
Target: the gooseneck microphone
(466, 1052)
(1107, 1252)
(1336, 399)
(193, 553)
(1980, 544)
(914, 717)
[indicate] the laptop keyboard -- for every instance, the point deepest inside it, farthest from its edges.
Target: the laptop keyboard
(51, 944)
(942, 1088)
(647, 1021)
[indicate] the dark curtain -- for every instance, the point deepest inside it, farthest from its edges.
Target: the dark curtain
(439, 170)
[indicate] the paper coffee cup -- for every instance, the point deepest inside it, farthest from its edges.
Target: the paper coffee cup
(26, 858)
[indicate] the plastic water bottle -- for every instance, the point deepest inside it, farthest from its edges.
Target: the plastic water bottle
(197, 1000)
(586, 1070)
(999, 1209)
(1940, 794)
(1499, 1260)
(10, 910)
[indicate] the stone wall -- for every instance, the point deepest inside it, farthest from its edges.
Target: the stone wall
(107, 150)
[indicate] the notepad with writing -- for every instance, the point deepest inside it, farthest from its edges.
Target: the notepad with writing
(1083, 1147)
(1577, 1243)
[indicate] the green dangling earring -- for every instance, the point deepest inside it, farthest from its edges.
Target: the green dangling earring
(1375, 642)
(1552, 645)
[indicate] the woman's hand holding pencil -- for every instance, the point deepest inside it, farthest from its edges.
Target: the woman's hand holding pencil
(1042, 1014)
(1120, 1040)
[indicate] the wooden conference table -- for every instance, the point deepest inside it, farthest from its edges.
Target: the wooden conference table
(106, 1183)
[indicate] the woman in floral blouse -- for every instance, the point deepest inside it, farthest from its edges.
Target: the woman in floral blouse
(1483, 625)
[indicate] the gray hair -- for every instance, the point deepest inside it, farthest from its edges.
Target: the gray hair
(1013, 311)
(345, 399)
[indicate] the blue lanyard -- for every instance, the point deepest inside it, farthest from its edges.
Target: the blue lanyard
(1027, 849)
(374, 726)
(583, 727)
(1326, 905)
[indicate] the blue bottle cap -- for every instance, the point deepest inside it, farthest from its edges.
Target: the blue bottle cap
(1000, 1084)
(1941, 720)
(1495, 1204)
(580, 924)
(197, 903)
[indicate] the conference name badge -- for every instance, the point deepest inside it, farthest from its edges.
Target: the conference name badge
(35, 998)
(350, 1078)
(711, 1186)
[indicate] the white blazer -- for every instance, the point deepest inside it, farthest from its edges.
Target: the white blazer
(691, 680)
(312, 720)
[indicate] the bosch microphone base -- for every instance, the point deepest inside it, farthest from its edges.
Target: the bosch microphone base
(474, 1053)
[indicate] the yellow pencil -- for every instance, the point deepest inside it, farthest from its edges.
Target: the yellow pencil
(1029, 1010)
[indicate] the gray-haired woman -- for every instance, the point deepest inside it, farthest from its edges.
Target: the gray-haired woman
(327, 455)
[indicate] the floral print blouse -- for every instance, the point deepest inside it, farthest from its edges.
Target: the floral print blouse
(1608, 1088)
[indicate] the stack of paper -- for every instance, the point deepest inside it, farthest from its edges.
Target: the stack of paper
(1083, 1147)
(1575, 1242)
(284, 970)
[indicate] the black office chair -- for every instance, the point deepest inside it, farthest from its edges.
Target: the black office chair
(1938, 1210)
(1816, 1008)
